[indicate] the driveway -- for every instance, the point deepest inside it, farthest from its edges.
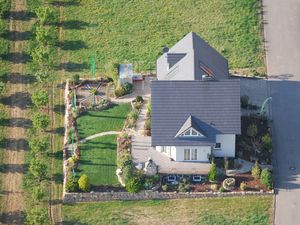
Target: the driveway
(282, 33)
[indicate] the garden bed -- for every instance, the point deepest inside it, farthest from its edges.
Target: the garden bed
(250, 140)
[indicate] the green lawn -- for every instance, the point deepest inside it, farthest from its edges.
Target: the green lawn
(98, 160)
(136, 30)
(93, 122)
(220, 211)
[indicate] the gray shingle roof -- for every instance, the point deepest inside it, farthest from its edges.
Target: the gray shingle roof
(213, 105)
(199, 57)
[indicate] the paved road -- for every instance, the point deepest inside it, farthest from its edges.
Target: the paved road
(282, 32)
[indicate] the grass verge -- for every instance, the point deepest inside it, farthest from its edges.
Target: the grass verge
(252, 210)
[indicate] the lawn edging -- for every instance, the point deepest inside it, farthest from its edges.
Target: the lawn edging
(70, 198)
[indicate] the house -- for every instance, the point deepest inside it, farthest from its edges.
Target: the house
(191, 59)
(195, 106)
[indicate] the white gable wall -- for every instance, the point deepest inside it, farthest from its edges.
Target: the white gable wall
(202, 152)
(227, 145)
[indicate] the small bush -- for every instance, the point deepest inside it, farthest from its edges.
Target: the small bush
(127, 87)
(148, 124)
(244, 101)
(139, 99)
(84, 183)
(124, 160)
(255, 170)
(133, 115)
(134, 185)
(40, 98)
(222, 189)
(267, 141)
(71, 184)
(226, 163)
(266, 178)
(214, 187)
(165, 187)
(149, 107)
(252, 130)
(119, 91)
(212, 174)
(184, 187)
(243, 186)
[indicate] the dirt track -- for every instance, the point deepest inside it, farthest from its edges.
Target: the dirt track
(16, 101)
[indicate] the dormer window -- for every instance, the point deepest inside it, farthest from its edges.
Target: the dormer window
(191, 133)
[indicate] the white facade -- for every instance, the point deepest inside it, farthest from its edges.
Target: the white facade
(186, 153)
(201, 153)
(227, 148)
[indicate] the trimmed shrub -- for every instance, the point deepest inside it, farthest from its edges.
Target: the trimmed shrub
(243, 186)
(124, 160)
(252, 130)
(134, 185)
(165, 187)
(244, 101)
(222, 189)
(84, 183)
(214, 187)
(127, 87)
(139, 99)
(119, 90)
(255, 171)
(266, 178)
(212, 174)
(40, 121)
(229, 184)
(148, 124)
(267, 141)
(71, 184)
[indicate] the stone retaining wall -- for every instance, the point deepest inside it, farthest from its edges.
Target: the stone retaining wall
(70, 198)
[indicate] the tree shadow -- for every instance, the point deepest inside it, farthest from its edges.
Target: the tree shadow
(57, 155)
(73, 222)
(15, 217)
(72, 45)
(19, 15)
(74, 25)
(13, 168)
(17, 78)
(17, 35)
(58, 178)
(72, 67)
(13, 144)
(16, 122)
(58, 130)
(21, 100)
(16, 57)
(59, 109)
(65, 4)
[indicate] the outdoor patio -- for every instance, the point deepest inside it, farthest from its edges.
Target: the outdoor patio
(142, 150)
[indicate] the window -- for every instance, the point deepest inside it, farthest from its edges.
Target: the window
(218, 145)
(194, 154)
(190, 154)
(191, 133)
(187, 154)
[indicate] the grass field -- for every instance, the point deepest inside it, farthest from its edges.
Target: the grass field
(136, 31)
(221, 211)
(98, 160)
(93, 122)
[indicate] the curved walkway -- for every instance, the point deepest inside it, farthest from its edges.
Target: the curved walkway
(99, 135)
